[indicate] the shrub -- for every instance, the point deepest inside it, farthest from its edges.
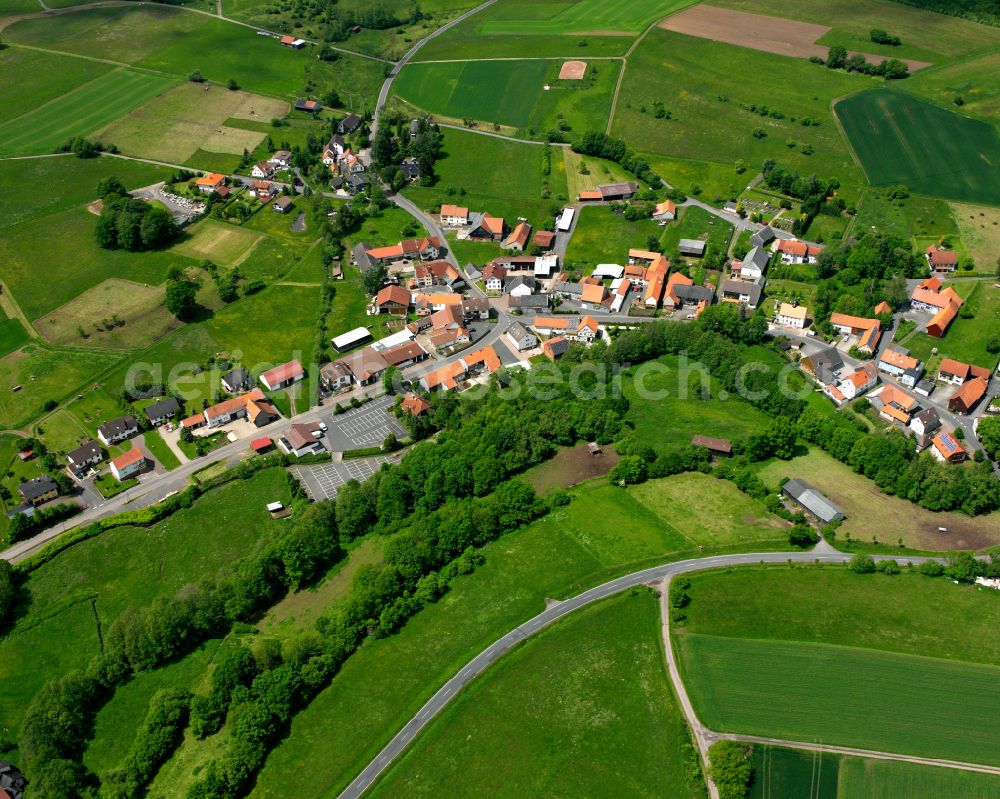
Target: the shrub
(802, 535)
(887, 566)
(730, 769)
(931, 568)
(861, 564)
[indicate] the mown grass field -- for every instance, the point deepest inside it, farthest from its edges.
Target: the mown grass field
(80, 112)
(975, 80)
(779, 773)
(52, 75)
(583, 709)
(901, 139)
(864, 505)
(123, 568)
(512, 93)
(604, 237)
(864, 779)
(696, 81)
(603, 532)
(583, 17)
(192, 117)
(217, 241)
(12, 334)
(502, 177)
(584, 172)
(666, 409)
(697, 223)
(979, 228)
(818, 692)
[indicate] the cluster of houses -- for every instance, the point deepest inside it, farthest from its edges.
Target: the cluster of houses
(260, 187)
(483, 226)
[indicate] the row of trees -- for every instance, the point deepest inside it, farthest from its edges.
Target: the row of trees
(600, 145)
(890, 68)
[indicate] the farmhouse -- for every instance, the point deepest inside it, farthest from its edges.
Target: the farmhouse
(943, 303)
(791, 315)
(117, 430)
(905, 369)
(83, 457)
(941, 260)
(518, 239)
(449, 376)
(583, 330)
(665, 211)
(519, 337)
(210, 182)
(762, 237)
(262, 169)
(129, 464)
(812, 501)
(947, 449)
(392, 300)
(676, 282)
(454, 216)
(282, 376)
(253, 406)
(487, 228)
(793, 251)
(968, 396)
(752, 266)
(39, 490)
(291, 41)
(309, 106)
(869, 331)
(956, 372)
(741, 292)
(159, 412)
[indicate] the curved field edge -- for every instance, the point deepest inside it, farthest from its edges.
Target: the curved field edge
(832, 694)
(583, 708)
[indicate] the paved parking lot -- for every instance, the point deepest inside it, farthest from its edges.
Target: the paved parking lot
(323, 480)
(363, 427)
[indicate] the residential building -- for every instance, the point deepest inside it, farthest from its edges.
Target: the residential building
(812, 501)
(518, 238)
(451, 375)
(414, 404)
(493, 276)
(349, 124)
(793, 251)
(283, 376)
(520, 337)
(301, 439)
(262, 169)
(335, 376)
(536, 302)
(39, 490)
(946, 449)
(924, 424)
(81, 459)
(941, 261)
(554, 348)
(665, 211)
(210, 182)
(968, 395)
(252, 405)
(487, 228)
(366, 365)
(742, 292)
(159, 412)
(791, 315)
(129, 464)
(675, 281)
(868, 331)
(427, 274)
(956, 372)
(753, 265)
(858, 382)
(454, 216)
(894, 404)
(117, 430)
(907, 370)
(283, 204)
(762, 237)
(426, 249)
(403, 355)
(520, 285)
(593, 296)
(410, 168)
(823, 365)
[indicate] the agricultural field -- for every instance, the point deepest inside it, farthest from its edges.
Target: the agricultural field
(142, 317)
(863, 779)
(12, 334)
(666, 406)
(779, 773)
(191, 118)
(899, 138)
(979, 228)
(526, 95)
(502, 177)
(754, 632)
(516, 28)
(862, 502)
(602, 533)
(53, 75)
(81, 111)
(711, 182)
(710, 117)
(174, 41)
(584, 708)
(974, 81)
(218, 242)
(95, 581)
(568, 467)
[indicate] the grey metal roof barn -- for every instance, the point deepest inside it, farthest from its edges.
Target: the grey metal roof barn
(812, 500)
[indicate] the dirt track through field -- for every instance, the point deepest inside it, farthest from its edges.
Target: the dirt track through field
(759, 32)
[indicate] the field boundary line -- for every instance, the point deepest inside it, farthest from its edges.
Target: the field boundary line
(12, 308)
(501, 136)
(94, 58)
(614, 97)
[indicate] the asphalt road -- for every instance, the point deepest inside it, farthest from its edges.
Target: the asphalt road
(553, 613)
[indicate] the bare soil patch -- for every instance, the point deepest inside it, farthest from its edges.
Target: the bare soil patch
(570, 466)
(96, 207)
(573, 70)
(759, 32)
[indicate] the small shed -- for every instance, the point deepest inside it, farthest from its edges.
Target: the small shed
(812, 501)
(716, 446)
(260, 445)
(693, 247)
(595, 448)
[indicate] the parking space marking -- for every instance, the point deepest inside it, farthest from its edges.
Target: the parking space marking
(323, 481)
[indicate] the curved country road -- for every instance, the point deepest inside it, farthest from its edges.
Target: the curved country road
(553, 613)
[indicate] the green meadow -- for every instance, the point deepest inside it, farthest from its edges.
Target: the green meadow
(583, 709)
(81, 111)
(864, 779)
(52, 76)
(902, 139)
